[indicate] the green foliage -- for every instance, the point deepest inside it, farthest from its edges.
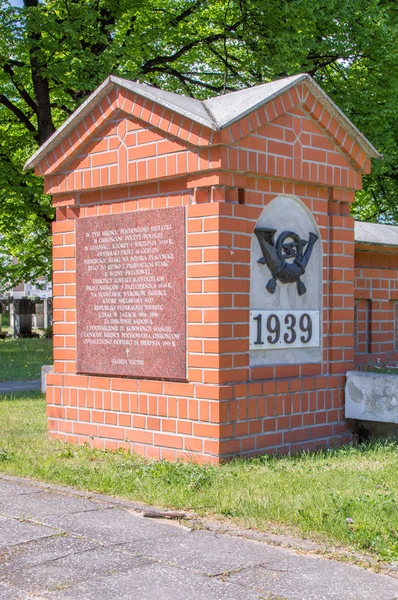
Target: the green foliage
(47, 332)
(5, 320)
(53, 54)
(387, 369)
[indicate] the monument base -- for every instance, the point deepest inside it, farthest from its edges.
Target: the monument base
(204, 423)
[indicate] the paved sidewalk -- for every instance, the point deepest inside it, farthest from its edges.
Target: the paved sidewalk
(8, 387)
(59, 544)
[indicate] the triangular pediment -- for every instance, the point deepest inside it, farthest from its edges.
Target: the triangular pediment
(224, 119)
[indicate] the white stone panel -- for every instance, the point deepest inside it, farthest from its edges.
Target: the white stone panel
(287, 213)
(371, 397)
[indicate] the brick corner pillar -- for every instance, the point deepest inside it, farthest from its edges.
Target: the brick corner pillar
(157, 197)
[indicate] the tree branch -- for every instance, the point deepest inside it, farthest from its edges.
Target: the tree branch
(227, 64)
(161, 60)
(185, 79)
(15, 63)
(186, 13)
(7, 68)
(62, 107)
(18, 113)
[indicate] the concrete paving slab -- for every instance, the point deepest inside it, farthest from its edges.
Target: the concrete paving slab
(207, 552)
(265, 569)
(13, 531)
(59, 573)
(9, 593)
(154, 582)
(112, 526)
(43, 504)
(314, 578)
(35, 552)
(8, 488)
(9, 387)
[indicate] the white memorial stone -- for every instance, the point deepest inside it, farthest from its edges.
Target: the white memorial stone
(294, 334)
(38, 317)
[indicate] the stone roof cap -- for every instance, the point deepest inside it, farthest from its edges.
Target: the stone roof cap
(216, 113)
(376, 234)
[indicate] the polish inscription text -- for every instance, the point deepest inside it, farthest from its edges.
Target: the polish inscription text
(131, 294)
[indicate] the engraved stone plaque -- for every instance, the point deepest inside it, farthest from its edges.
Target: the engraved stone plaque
(131, 304)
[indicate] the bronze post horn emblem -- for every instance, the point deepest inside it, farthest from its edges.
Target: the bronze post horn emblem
(275, 255)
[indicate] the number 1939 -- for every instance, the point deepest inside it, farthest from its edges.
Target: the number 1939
(283, 329)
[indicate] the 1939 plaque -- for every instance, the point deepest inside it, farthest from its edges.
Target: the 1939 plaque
(131, 305)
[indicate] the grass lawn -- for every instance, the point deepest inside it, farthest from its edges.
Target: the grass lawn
(23, 358)
(348, 496)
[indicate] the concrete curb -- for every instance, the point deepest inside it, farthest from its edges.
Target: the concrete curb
(7, 387)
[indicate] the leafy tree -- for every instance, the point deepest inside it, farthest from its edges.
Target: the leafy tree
(54, 53)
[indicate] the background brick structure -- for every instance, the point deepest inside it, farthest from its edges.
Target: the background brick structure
(129, 153)
(376, 299)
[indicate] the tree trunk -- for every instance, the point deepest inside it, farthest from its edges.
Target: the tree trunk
(40, 83)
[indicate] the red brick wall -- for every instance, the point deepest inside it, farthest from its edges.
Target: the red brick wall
(376, 295)
(135, 162)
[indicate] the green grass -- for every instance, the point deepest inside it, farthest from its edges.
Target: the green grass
(23, 358)
(348, 496)
(383, 369)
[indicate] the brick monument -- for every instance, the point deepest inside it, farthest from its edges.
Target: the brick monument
(203, 270)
